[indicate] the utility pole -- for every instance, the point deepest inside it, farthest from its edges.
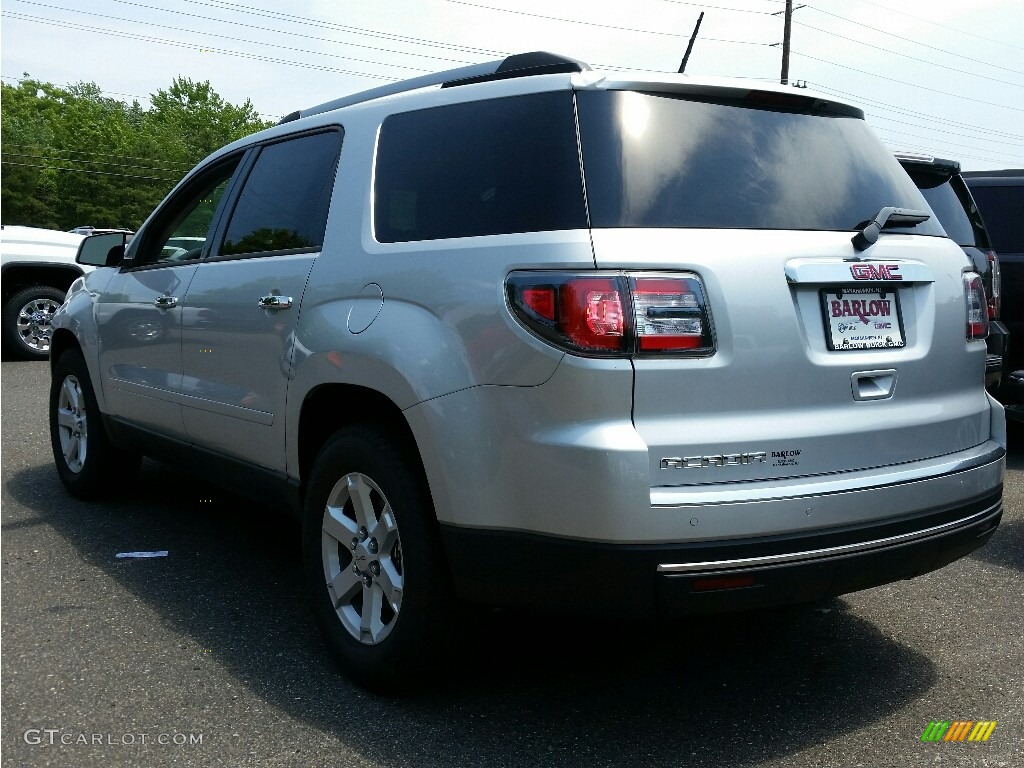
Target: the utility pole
(686, 56)
(787, 30)
(786, 33)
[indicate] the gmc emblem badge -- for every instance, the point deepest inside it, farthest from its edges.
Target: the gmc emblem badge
(876, 272)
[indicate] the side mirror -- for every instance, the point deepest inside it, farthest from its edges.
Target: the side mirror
(106, 250)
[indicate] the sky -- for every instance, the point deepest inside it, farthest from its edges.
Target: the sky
(938, 77)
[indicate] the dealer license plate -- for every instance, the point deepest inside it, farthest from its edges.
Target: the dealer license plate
(862, 318)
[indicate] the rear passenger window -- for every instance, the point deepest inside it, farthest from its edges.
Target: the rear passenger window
(1002, 208)
(284, 203)
(482, 168)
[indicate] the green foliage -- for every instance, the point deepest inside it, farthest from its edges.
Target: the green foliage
(72, 156)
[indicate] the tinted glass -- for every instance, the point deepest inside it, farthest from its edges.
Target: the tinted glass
(654, 160)
(286, 197)
(483, 168)
(939, 193)
(184, 224)
(1003, 211)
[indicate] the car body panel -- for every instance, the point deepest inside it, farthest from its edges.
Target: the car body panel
(236, 357)
(140, 346)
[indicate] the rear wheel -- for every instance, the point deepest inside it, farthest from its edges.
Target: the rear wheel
(87, 462)
(373, 561)
(26, 321)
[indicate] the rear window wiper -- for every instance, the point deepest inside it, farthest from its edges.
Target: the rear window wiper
(888, 217)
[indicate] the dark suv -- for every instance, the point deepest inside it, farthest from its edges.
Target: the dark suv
(943, 186)
(1000, 197)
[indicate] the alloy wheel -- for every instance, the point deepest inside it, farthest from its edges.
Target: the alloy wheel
(72, 424)
(362, 558)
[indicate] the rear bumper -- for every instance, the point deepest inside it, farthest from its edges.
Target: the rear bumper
(513, 568)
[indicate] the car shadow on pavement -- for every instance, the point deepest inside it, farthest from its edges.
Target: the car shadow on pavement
(1006, 547)
(525, 689)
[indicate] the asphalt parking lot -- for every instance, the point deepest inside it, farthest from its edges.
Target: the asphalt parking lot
(209, 657)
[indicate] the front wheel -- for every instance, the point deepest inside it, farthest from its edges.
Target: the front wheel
(373, 561)
(88, 464)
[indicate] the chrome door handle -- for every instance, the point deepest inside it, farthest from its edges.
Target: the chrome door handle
(166, 302)
(275, 302)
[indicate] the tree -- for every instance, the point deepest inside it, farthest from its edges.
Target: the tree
(72, 156)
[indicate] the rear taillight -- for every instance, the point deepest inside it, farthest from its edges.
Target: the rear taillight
(995, 299)
(614, 314)
(977, 306)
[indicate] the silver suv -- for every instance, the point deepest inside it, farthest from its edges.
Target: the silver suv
(525, 333)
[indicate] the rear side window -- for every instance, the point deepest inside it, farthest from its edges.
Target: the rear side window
(1002, 208)
(481, 168)
(285, 200)
(660, 160)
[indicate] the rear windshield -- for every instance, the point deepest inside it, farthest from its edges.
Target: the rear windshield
(657, 160)
(1003, 210)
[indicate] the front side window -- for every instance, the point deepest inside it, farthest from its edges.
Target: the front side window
(284, 203)
(186, 222)
(480, 168)
(664, 160)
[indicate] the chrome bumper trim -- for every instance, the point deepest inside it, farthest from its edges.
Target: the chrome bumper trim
(846, 549)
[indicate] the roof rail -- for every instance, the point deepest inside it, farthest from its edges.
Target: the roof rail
(518, 65)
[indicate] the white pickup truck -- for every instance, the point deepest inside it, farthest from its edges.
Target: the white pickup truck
(37, 266)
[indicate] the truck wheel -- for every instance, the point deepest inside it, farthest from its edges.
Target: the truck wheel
(26, 321)
(374, 567)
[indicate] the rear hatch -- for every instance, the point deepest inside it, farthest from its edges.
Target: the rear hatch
(826, 357)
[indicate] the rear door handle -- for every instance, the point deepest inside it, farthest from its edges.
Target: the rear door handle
(166, 302)
(275, 302)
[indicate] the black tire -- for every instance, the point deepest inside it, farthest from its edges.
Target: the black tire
(88, 464)
(33, 307)
(412, 637)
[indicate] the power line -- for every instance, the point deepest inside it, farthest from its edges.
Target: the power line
(912, 85)
(911, 113)
(958, 134)
(969, 147)
(95, 173)
(594, 23)
(59, 159)
(178, 44)
(718, 7)
(943, 26)
(265, 29)
(899, 146)
(909, 40)
(176, 167)
(225, 37)
(239, 8)
(908, 56)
